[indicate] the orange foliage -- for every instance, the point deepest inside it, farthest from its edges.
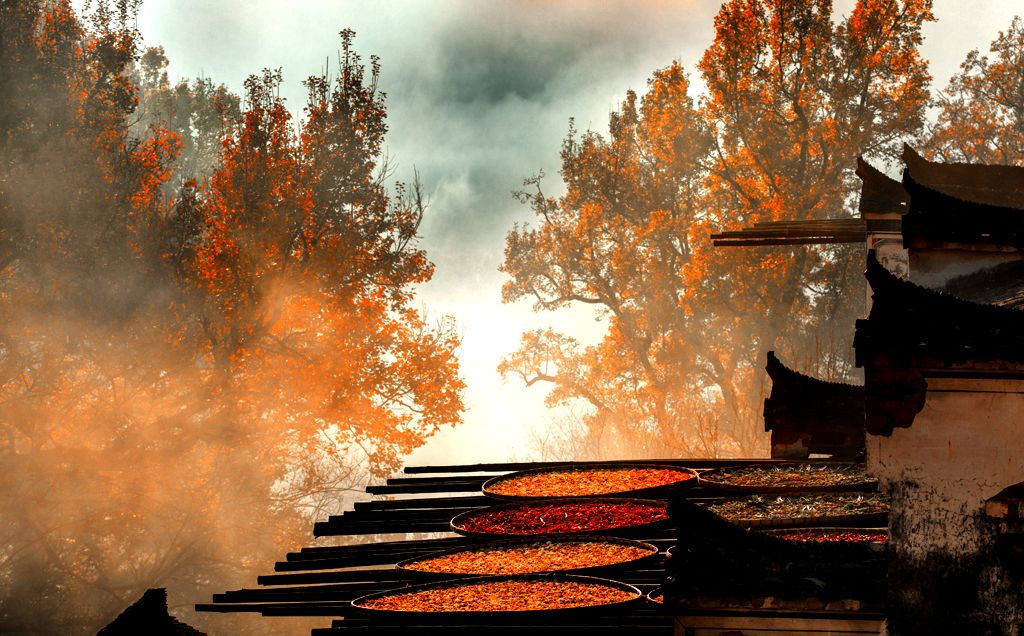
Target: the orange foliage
(792, 100)
(982, 110)
(187, 374)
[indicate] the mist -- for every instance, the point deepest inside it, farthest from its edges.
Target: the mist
(144, 447)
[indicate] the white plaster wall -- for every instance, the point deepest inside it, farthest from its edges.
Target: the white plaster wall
(962, 448)
(934, 268)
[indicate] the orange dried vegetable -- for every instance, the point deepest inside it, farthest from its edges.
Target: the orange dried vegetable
(577, 483)
(535, 557)
(502, 596)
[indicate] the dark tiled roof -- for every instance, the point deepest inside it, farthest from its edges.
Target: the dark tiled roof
(1001, 186)
(823, 417)
(936, 217)
(149, 616)
(914, 327)
(879, 194)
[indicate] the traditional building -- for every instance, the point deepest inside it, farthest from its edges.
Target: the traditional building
(810, 417)
(148, 616)
(943, 353)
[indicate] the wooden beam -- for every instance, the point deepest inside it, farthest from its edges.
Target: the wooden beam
(763, 242)
(517, 466)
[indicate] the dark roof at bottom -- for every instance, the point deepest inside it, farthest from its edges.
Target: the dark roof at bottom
(912, 326)
(149, 616)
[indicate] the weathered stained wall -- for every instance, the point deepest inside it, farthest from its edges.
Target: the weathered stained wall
(935, 268)
(945, 575)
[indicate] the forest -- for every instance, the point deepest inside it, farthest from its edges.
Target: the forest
(209, 331)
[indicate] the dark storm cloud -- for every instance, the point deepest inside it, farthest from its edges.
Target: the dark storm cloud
(479, 69)
(477, 55)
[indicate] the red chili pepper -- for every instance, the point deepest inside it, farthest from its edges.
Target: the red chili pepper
(563, 518)
(835, 536)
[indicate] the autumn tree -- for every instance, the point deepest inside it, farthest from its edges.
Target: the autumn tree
(197, 111)
(981, 116)
(191, 367)
(792, 99)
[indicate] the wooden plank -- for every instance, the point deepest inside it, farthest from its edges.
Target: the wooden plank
(337, 550)
(517, 466)
(326, 529)
(425, 502)
(398, 481)
(297, 609)
(619, 625)
(340, 592)
(831, 224)
(782, 625)
(448, 486)
(354, 561)
(595, 623)
(785, 232)
(792, 241)
(278, 609)
(392, 516)
(342, 576)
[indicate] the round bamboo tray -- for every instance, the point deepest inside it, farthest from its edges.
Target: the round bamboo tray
(708, 479)
(408, 567)
(489, 617)
(688, 478)
(457, 523)
(804, 521)
(873, 546)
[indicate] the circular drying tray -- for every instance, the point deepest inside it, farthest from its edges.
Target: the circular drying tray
(655, 598)
(689, 479)
(407, 568)
(459, 520)
(834, 520)
(707, 479)
(475, 616)
(874, 546)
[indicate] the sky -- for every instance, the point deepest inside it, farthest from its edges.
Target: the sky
(479, 97)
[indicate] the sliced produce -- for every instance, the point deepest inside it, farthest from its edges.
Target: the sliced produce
(795, 506)
(788, 475)
(546, 556)
(502, 596)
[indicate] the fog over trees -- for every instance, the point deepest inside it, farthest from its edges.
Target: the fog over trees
(208, 327)
(208, 332)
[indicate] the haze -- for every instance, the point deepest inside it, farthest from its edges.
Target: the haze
(479, 96)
